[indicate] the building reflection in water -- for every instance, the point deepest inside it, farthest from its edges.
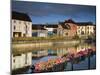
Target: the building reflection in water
(41, 54)
(21, 60)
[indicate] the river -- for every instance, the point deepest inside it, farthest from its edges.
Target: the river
(45, 54)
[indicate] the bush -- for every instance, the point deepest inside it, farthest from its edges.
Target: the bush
(76, 37)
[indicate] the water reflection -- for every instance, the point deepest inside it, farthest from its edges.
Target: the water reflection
(48, 55)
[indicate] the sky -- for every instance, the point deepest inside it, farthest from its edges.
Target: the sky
(42, 13)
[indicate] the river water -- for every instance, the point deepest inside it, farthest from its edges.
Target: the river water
(44, 55)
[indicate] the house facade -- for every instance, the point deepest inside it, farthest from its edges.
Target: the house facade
(21, 60)
(72, 27)
(62, 29)
(67, 28)
(21, 25)
(90, 29)
(85, 29)
(81, 30)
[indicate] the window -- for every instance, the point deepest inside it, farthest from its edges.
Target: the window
(14, 21)
(19, 22)
(26, 29)
(25, 58)
(14, 27)
(88, 32)
(13, 60)
(55, 31)
(82, 32)
(66, 33)
(78, 31)
(87, 27)
(16, 55)
(26, 26)
(82, 27)
(94, 28)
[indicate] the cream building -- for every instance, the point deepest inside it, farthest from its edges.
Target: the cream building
(90, 29)
(21, 25)
(81, 30)
(21, 60)
(85, 29)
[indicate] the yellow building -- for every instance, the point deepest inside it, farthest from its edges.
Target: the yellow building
(85, 29)
(90, 29)
(81, 30)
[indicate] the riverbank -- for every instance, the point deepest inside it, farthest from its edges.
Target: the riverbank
(25, 47)
(19, 40)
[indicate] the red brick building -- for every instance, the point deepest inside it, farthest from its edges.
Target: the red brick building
(69, 28)
(72, 27)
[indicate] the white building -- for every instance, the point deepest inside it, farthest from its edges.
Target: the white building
(42, 33)
(21, 25)
(21, 60)
(51, 28)
(39, 31)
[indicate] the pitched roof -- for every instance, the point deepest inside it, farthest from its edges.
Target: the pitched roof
(20, 16)
(51, 25)
(69, 21)
(84, 23)
(46, 25)
(63, 25)
(38, 27)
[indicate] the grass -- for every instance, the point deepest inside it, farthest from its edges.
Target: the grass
(54, 38)
(39, 39)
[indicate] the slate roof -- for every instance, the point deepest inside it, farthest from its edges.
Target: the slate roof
(20, 16)
(38, 27)
(51, 25)
(41, 26)
(69, 21)
(84, 23)
(63, 25)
